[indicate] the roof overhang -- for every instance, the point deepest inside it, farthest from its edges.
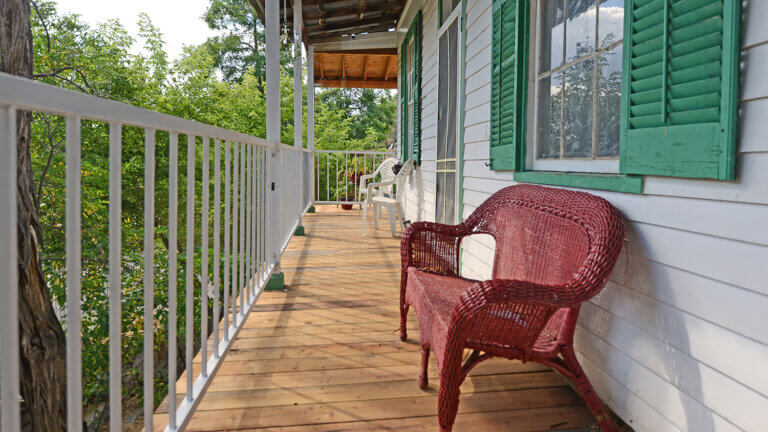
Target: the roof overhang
(355, 40)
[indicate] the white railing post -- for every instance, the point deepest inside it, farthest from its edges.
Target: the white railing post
(216, 244)
(189, 296)
(173, 179)
(115, 284)
(227, 239)
(73, 258)
(149, 277)
(10, 415)
(204, 262)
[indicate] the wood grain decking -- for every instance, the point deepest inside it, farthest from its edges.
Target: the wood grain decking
(324, 355)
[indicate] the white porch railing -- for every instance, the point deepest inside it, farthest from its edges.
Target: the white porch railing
(337, 173)
(263, 201)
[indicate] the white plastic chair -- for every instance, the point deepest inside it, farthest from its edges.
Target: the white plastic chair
(385, 169)
(393, 204)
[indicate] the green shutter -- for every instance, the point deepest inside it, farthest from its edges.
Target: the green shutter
(414, 32)
(508, 84)
(416, 148)
(680, 88)
(403, 101)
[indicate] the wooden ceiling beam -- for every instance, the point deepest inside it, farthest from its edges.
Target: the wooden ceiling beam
(343, 25)
(372, 84)
(386, 71)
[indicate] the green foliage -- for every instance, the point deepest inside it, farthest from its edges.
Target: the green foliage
(219, 83)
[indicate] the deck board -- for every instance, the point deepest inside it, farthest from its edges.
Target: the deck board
(324, 355)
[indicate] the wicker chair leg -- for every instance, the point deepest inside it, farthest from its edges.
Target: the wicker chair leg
(584, 387)
(403, 322)
(448, 400)
(424, 370)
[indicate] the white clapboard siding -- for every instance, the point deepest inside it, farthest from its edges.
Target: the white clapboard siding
(676, 341)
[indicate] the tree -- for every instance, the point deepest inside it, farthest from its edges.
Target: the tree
(43, 364)
(240, 47)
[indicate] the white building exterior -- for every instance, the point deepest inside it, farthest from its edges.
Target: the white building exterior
(677, 340)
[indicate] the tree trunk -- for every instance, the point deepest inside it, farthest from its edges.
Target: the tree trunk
(43, 361)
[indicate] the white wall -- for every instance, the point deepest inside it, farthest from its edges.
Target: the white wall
(678, 340)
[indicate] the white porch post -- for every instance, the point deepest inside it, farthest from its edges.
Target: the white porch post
(297, 81)
(311, 116)
(311, 97)
(272, 39)
(272, 36)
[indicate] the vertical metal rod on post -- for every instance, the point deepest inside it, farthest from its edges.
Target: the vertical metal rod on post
(115, 284)
(248, 203)
(173, 179)
(204, 263)
(190, 270)
(73, 258)
(149, 277)
(242, 236)
(227, 247)
(235, 208)
(216, 244)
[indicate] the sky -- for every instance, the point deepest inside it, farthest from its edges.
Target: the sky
(180, 21)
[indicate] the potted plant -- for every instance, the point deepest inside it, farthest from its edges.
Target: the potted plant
(345, 188)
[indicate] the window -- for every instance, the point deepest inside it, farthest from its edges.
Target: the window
(447, 119)
(577, 85)
(605, 111)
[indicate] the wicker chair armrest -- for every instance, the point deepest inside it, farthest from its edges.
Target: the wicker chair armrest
(502, 291)
(432, 247)
(516, 309)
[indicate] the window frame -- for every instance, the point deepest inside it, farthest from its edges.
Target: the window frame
(455, 16)
(593, 164)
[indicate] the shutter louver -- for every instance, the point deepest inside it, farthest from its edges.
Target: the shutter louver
(404, 101)
(680, 95)
(416, 150)
(508, 84)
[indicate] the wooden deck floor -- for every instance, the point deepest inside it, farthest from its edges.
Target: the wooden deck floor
(324, 355)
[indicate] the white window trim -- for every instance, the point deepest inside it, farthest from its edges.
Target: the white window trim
(601, 165)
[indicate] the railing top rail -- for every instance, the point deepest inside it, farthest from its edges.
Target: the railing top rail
(29, 95)
(358, 152)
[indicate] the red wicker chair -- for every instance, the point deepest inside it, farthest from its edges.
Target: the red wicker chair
(554, 250)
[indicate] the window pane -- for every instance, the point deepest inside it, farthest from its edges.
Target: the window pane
(579, 88)
(450, 203)
(448, 6)
(440, 197)
(548, 121)
(609, 103)
(611, 22)
(442, 96)
(551, 44)
(453, 68)
(580, 33)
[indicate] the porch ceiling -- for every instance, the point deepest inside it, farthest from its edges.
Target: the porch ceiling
(326, 20)
(355, 40)
(358, 69)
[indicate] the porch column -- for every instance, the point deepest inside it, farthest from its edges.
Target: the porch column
(311, 97)
(297, 81)
(274, 159)
(311, 117)
(272, 36)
